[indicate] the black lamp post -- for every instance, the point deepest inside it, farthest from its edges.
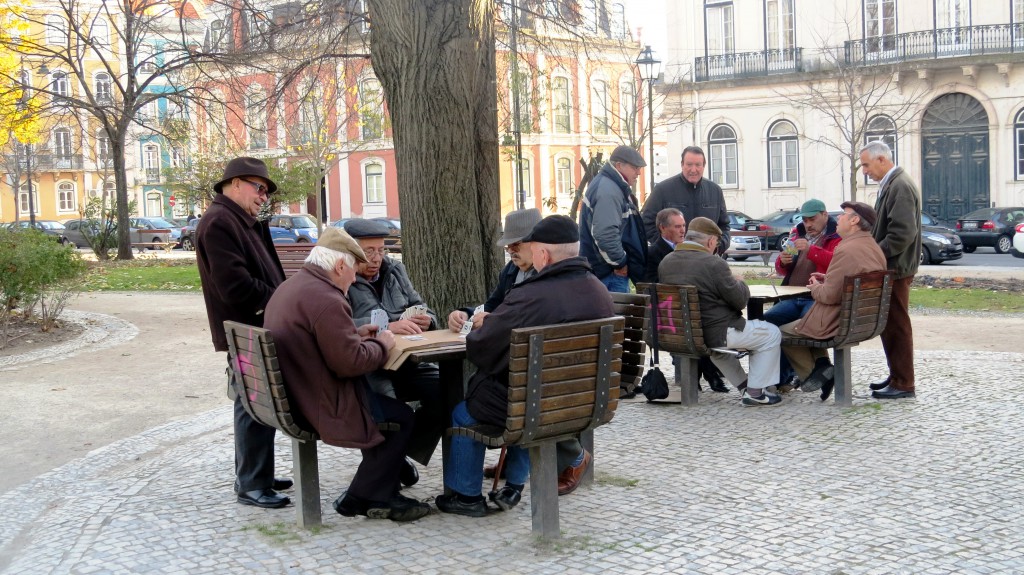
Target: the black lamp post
(649, 70)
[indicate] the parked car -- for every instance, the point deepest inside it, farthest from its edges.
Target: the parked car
(1018, 242)
(778, 224)
(76, 231)
(48, 227)
(147, 225)
(938, 243)
(737, 219)
(278, 235)
(993, 227)
(303, 225)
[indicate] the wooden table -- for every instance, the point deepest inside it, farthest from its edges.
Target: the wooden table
(762, 294)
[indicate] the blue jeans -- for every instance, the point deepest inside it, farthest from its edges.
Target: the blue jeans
(616, 283)
(464, 472)
(782, 313)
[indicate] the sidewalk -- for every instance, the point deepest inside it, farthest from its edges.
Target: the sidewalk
(804, 487)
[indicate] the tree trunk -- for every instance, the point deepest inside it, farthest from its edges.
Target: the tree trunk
(436, 62)
(124, 231)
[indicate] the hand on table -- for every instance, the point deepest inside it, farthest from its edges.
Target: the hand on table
(456, 319)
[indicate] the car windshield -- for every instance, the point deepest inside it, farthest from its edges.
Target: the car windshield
(780, 214)
(303, 222)
(161, 223)
(983, 214)
(51, 225)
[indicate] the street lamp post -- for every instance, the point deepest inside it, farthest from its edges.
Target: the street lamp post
(649, 70)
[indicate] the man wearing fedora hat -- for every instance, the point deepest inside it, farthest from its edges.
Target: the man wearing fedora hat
(239, 270)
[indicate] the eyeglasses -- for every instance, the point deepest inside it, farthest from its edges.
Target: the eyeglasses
(374, 252)
(260, 188)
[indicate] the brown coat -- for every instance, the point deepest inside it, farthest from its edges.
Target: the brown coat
(858, 253)
(323, 359)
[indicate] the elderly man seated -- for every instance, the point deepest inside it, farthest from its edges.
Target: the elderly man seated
(858, 253)
(722, 301)
(324, 358)
(564, 290)
(382, 283)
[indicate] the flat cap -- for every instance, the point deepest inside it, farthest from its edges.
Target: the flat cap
(554, 230)
(338, 240)
(363, 228)
(627, 155)
(704, 226)
(866, 212)
(812, 208)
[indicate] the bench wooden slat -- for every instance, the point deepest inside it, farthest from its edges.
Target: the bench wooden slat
(561, 374)
(573, 357)
(519, 349)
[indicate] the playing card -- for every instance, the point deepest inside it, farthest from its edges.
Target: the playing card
(379, 318)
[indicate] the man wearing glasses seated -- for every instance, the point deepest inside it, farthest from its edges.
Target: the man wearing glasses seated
(382, 283)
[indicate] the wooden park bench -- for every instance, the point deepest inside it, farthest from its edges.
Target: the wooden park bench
(740, 255)
(292, 257)
(864, 310)
(636, 311)
(680, 333)
(563, 383)
(253, 359)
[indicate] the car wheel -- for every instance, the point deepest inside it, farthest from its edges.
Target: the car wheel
(970, 249)
(781, 240)
(740, 258)
(1003, 244)
(926, 256)
(302, 241)
(187, 245)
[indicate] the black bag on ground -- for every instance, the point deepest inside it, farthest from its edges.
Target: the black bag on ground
(654, 385)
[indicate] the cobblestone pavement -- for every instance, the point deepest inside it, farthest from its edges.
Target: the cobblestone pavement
(925, 486)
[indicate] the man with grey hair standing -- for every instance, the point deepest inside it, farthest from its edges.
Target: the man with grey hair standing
(324, 358)
(898, 232)
(611, 231)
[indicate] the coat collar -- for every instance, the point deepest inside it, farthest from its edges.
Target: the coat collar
(235, 209)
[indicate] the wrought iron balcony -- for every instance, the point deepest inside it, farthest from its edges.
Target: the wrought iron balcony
(152, 175)
(748, 64)
(940, 43)
(45, 161)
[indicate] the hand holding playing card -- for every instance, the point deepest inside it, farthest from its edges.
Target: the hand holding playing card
(404, 327)
(379, 318)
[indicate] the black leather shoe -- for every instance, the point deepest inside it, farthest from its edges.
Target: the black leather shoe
(265, 498)
(718, 386)
(452, 504)
(282, 483)
(407, 509)
(891, 393)
(879, 385)
(821, 374)
(506, 498)
(826, 389)
(408, 474)
(350, 506)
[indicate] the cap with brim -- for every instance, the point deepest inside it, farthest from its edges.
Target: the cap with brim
(627, 155)
(704, 226)
(812, 208)
(338, 240)
(242, 168)
(361, 228)
(518, 224)
(866, 212)
(554, 230)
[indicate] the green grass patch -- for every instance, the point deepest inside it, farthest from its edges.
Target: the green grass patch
(615, 480)
(142, 275)
(278, 533)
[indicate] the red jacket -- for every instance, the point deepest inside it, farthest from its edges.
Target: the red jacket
(820, 255)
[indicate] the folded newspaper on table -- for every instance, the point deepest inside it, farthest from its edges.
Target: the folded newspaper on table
(406, 345)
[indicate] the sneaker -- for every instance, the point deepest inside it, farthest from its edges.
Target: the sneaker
(506, 498)
(821, 374)
(764, 399)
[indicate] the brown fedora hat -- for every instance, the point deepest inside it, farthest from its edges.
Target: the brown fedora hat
(242, 167)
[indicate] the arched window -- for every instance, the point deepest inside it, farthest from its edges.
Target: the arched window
(101, 33)
(783, 155)
(371, 109)
(884, 129)
(599, 106)
(66, 197)
(563, 177)
(23, 203)
(59, 86)
(722, 152)
(522, 81)
(102, 147)
(256, 119)
(154, 204)
(151, 163)
(618, 21)
(627, 107)
(61, 147)
(374, 187)
(1018, 131)
(56, 30)
(102, 88)
(560, 105)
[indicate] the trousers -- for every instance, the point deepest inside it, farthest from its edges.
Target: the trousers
(898, 337)
(762, 340)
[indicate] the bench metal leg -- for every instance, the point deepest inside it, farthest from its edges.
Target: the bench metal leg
(843, 375)
(687, 377)
(587, 441)
(544, 490)
(306, 468)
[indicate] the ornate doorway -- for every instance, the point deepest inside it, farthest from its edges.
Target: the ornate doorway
(954, 157)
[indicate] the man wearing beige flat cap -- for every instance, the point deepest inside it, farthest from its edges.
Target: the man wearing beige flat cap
(324, 358)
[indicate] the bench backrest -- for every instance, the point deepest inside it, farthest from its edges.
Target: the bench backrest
(253, 359)
(679, 327)
(292, 256)
(634, 309)
(563, 379)
(864, 308)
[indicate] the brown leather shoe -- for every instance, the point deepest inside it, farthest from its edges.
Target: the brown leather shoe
(570, 479)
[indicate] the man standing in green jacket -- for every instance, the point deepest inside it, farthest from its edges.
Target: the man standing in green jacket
(898, 232)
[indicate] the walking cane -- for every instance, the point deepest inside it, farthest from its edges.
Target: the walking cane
(497, 474)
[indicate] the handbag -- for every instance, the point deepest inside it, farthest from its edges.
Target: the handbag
(654, 385)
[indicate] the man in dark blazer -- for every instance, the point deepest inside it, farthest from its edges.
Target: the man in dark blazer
(239, 270)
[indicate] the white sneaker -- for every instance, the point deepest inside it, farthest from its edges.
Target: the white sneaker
(764, 399)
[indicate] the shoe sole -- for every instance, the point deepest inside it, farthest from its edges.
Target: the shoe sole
(504, 505)
(814, 383)
(759, 403)
(263, 505)
(411, 514)
(910, 395)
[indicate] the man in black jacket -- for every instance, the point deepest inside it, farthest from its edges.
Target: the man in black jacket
(564, 290)
(239, 270)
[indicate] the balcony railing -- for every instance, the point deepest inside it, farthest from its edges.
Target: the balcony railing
(748, 64)
(940, 43)
(50, 162)
(152, 175)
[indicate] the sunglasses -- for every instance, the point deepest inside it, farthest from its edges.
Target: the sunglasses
(260, 188)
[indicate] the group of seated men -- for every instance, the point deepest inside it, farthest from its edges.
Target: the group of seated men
(325, 339)
(827, 250)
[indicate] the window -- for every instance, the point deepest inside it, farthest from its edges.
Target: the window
(256, 120)
(783, 155)
(62, 143)
(309, 117)
(563, 176)
(215, 37)
(23, 203)
(59, 86)
(722, 152)
(154, 204)
(525, 181)
(627, 107)
(66, 197)
(56, 30)
(151, 163)
(374, 183)
(618, 21)
(590, 15)
(599, 107)
(103, 147)
(257, 31)
(101, 33)
(1018, 130)
(522, 81)
(880, 24)
(177, 157)
(102, 88)
(146, 60)
(884, 129)
(719, 19)
(560, 105)
(781, 35)
(371, 104)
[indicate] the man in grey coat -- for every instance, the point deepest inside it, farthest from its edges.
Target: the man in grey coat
(898, 232)
(690, 193)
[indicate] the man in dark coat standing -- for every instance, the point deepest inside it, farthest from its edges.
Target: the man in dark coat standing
(239, 270)
(564, 290)
(324, 359)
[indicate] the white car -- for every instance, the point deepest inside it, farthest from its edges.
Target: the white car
(1018, 242)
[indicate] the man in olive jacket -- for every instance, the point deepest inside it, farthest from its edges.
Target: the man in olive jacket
(898, 233)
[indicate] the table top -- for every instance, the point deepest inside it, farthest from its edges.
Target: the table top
(775, 293)
(427, 346)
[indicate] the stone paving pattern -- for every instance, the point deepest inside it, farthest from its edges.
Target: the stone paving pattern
(925, 486)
